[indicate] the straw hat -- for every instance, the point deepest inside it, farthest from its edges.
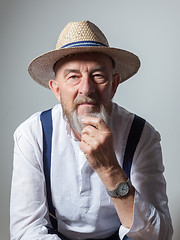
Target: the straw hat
(82, 37)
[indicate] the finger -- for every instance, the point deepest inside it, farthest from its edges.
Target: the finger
(91, 151)
(96, 122)
(87, 138)
(90, 130)
(86, 148)
(93, 142)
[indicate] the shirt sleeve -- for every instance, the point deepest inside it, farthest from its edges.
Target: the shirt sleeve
(151, 213)
(28, 210)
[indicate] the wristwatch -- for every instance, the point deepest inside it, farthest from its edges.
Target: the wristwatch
(121, 190)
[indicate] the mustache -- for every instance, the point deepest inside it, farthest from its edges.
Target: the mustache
(86, 99)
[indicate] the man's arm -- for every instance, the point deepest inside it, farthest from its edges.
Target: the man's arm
(28, 211)
(139, 212)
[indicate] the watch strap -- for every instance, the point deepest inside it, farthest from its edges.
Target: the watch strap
(114, 193)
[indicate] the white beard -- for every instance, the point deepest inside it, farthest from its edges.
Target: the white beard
(74, 119)
(76, 123)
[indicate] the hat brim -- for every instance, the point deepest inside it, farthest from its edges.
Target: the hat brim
(41, 68)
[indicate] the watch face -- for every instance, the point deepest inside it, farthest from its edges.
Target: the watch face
(123, 189)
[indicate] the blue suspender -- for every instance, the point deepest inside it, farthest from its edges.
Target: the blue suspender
(46, 121)
(132, 142)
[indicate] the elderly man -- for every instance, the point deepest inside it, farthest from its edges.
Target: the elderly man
(87, 169)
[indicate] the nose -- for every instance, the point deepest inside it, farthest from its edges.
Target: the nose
(86, 86)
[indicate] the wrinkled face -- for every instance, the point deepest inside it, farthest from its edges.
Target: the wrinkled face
(85, 84)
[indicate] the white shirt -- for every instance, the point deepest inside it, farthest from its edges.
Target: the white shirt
(83, 208)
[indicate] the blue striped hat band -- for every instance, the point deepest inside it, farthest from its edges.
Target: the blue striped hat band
(84, 44)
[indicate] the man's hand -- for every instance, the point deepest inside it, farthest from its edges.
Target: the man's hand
(97, 143)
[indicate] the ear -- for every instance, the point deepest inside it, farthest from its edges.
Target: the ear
(54, 86)
(116, 79)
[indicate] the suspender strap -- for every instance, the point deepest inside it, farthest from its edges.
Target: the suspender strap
(132, 142)
(46, 120)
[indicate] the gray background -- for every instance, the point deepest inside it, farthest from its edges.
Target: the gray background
(148, 28)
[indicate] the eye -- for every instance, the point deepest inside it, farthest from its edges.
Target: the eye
(73, 78)
(99, 78)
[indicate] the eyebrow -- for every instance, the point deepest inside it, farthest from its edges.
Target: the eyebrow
(69, 70)
(98, 69)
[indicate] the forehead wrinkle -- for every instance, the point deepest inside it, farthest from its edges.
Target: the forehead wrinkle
(84, 57)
